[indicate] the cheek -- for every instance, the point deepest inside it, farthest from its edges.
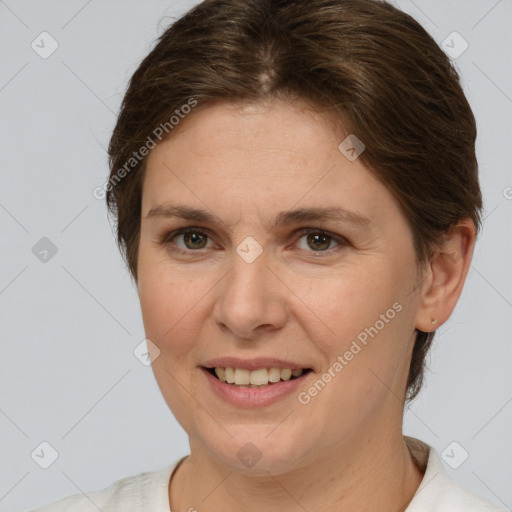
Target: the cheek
(169, 306)
(352, 300)
(369, 323)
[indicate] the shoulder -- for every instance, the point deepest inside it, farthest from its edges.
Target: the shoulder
(146, 490)
(457, 497)
(438, 491)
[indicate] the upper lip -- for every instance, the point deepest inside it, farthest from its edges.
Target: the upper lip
(253, 364)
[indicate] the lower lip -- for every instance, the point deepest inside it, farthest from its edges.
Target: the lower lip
(253, 397)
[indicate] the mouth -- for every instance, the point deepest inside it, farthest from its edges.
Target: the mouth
(258, 378)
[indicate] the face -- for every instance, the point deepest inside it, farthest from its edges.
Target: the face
(263, 247)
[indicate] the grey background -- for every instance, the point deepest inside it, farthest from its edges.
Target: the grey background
(68, 375)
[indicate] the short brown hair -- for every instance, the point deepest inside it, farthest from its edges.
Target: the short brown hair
(366, 61)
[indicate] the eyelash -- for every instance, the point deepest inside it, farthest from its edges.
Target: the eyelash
(166, 240)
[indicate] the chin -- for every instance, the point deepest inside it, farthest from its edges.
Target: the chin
(258, 450)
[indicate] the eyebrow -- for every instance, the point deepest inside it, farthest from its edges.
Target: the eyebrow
(283, 218)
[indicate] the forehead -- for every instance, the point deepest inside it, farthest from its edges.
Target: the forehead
(262, 129)
(269, 156)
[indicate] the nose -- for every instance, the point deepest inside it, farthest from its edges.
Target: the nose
(250, 300)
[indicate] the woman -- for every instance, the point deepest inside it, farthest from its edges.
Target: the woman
(296, 195)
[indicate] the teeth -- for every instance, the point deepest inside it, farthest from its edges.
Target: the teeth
(242, 377)
(229, 375)
(274, 375)
(259, 377)
(286, 374)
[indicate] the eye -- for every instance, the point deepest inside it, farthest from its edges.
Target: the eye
(319, 241)
(192, 240)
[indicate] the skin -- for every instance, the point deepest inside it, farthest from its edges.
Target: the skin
(344, 450)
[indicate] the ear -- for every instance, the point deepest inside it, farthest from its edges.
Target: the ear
(445, 275)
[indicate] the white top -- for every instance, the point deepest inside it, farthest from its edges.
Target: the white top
(438, 492)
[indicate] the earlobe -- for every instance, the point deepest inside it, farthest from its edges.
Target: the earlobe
(445, 276)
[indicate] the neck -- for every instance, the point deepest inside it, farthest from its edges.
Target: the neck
(372, 475)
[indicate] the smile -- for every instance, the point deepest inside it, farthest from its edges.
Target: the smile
(260, 387)
(255, 378)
